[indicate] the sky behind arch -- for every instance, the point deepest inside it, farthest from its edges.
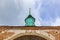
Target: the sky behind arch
(46, 12)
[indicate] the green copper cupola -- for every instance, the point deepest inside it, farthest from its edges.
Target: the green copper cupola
(30, 20)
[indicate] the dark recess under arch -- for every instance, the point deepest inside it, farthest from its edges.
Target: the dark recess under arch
(30, 37)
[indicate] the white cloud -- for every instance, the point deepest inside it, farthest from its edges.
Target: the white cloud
(14, 12)
(28, 3)
(56, 22)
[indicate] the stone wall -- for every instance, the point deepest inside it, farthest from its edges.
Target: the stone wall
(11, 33)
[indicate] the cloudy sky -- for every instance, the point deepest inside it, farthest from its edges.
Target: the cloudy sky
(46, 12)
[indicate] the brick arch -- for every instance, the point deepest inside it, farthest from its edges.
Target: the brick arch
(37, 33)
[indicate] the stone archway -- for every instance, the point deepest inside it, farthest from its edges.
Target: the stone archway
(40, 34)
(30, 37)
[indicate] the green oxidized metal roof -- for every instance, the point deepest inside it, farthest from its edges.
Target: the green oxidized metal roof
(30, 20)
(30, 16)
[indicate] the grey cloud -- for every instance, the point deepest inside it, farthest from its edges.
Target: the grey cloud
(9, 12)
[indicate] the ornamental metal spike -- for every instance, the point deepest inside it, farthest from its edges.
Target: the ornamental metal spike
(29, 11)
